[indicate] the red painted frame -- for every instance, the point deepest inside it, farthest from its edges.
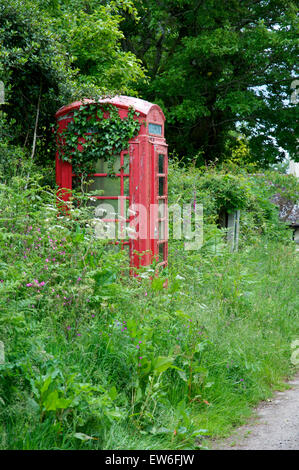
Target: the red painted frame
(144, 151)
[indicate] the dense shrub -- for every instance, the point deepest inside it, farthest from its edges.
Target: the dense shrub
(229, 189)
(97, 359)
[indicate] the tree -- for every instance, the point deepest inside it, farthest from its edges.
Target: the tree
(217, 67)
(53, 52)
(91, 33)
(35, 70)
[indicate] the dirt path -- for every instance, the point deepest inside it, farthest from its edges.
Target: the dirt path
(274, 427)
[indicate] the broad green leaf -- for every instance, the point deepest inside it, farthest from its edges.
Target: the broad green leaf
(162, 363)
(45, 385)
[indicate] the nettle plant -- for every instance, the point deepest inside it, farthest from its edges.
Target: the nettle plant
(96, 132)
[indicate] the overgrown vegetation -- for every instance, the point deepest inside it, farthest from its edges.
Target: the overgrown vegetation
(96, 132)
(224, 74)
(90, 357)
(228, 188)
(95, 359)
(52, 53)
(217, 68)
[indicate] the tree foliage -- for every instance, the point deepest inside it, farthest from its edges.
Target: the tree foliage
(53, 52)
(92, 35)
(220, 70)
(33, 67)
(217, 66)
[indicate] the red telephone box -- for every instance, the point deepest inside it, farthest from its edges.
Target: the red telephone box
(140, 181)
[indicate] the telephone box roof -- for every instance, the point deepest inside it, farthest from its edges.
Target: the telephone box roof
(120, 101)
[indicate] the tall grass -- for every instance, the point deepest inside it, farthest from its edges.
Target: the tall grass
(95, 359)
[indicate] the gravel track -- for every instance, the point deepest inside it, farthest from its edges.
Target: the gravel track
(274, 427)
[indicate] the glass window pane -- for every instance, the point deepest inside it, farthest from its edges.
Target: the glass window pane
(162, 209)
(117, 165)
(102, 166)
(161, 252)
(105, 208)
(155, 128)
(162, 230)
(126, 186)
(126, 166)
(161, 185)
(161, 163)
(109, 185)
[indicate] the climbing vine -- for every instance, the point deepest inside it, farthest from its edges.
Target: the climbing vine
(96, 131)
